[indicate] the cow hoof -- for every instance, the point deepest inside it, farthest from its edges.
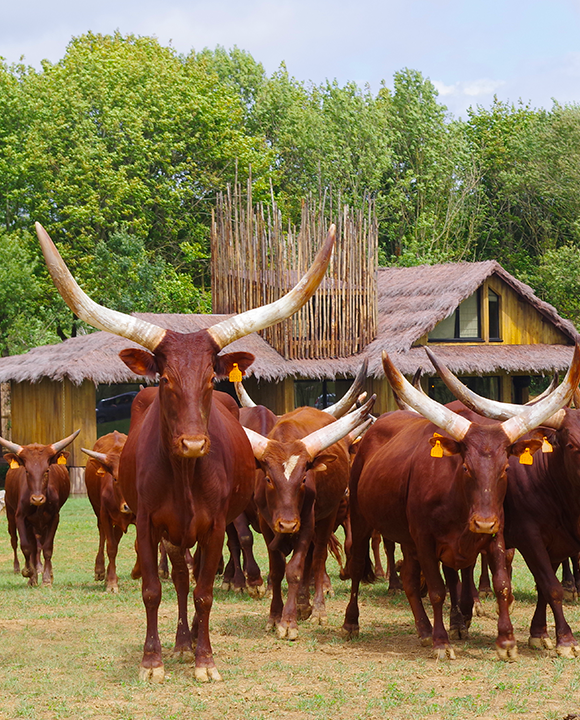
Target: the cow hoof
(458, 633)
(205, 674)
(349, 632)
(47, 583)
(238, 590)
(304, 612)
(99, 576)
(227, 586)
(444, 653)
(570, 595)
(151, 674)
(186, 655)
(540, 643)
(567, 651)
(257, 592)
(113, 589)
(478, 609)
(485, 593)
(426, 641)
(319, 618)
(507, 654)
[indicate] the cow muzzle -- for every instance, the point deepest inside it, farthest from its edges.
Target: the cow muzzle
(193, 447)
(37, 500)
(287, 527)
(484, 526)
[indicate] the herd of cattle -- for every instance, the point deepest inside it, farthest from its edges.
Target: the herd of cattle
(447, 483)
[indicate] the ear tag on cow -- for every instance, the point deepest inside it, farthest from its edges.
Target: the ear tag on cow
(526, 457)
(235, 374)
(14, 464)
(546, 447)
(61, 460)
(437, 450)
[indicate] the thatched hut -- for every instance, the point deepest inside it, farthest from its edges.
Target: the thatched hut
(483, 323)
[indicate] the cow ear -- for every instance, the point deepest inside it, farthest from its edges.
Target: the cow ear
(532, 445)
(322, 461)
(224, 363)
(13, 460)
(60, 458)
(446, 445)
(140, 362)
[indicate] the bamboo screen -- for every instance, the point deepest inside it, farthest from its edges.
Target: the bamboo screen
(255, 260)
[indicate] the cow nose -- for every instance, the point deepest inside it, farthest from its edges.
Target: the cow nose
(193, 447)
(287, 527)
(37, 499)
(484, 526)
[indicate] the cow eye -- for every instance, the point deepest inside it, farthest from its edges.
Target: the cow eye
(269, 480)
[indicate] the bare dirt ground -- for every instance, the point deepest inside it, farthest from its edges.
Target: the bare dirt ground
(73, 652)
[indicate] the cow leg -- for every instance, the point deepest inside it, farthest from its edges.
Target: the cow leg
(466, 600)
(163, 568)
(47, 544)
(100, 558)
(211, 553)
(114, 535)
(568, 582)
(255, 584)
(576, 571)
(358, 567)
(457, 628)
(13, 539)
(180, 577)
(411, 577)
(347, 525)
(376, 550)
(395, 583)
(505, 644)
(485, 590)
(234, 578)
(436, 588)
(276, 566)
(136, 571)
(303, 606)
(550, 590)
(29, 547)
(322, 533)
(152, 663)
(298, 579)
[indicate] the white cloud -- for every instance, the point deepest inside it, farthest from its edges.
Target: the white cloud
(471, 88)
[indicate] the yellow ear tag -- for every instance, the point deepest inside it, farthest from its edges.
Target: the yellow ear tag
(546, 447)
(526, 457)
(14, 464)
(61, 460)
(437, 450)
(235, 374)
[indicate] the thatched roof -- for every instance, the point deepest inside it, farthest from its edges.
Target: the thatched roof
(411, 301)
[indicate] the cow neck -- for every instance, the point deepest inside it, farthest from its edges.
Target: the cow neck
(563, 466)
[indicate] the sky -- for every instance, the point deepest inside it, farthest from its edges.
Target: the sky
(470, 50)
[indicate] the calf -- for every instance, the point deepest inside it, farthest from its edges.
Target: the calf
(113, 514)
(305, 464)
(37, 486)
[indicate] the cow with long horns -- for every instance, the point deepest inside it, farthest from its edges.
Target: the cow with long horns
(37, 486)
(542, 507)
(187, 468)
(436, 484)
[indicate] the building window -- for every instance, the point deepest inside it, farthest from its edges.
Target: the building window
(494, 321)
(319, 393)
(488, 387)
(463, 325)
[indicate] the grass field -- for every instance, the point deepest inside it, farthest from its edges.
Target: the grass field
(72, 651)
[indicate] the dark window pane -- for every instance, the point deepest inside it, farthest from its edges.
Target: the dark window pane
(494, 328)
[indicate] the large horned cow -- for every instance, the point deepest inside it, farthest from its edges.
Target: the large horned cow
(37, 486)
(441, 497)
(542, 507)
(187, 468)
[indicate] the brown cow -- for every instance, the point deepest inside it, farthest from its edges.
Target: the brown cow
(305, 465)
(37, 486)
(187, 468)
(113, 514)
(441, 497)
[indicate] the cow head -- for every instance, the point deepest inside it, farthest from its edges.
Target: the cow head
(288, 465)
(485, 448)
(34, 462)
(106, 466)
(186, 364)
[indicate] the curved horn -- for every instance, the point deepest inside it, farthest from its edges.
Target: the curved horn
(358, 432)
(61, 444)
(349, 399)
(258, 442)
(456, 425)
(101, 457)
(10, 446)
(260, 318)
(326, 436)
(80, 303)
(243, 397)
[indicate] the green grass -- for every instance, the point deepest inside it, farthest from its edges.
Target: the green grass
(73, 651)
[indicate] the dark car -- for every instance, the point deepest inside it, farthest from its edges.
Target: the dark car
(117, 407)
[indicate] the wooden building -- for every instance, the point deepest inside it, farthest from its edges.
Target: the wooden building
(482, 322)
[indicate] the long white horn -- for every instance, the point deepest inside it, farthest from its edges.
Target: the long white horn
(101, 457)
(61, 444)
(258, 442)
(243, 397)
(10, 446)
(80, 303)
(260, 318)
(349, 399)
(326, 436)
(456, 425)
